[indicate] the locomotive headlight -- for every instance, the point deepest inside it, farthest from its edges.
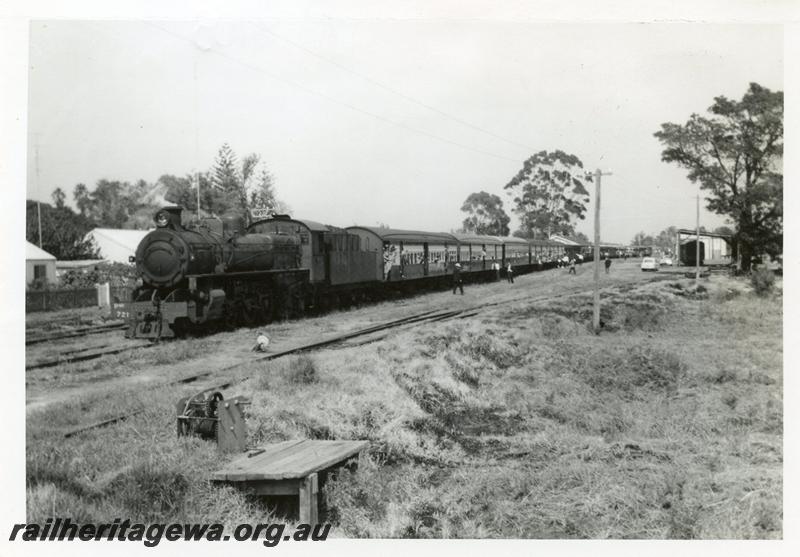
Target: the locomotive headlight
(162, 219)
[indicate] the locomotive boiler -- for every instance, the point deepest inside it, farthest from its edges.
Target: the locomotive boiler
(207, 271)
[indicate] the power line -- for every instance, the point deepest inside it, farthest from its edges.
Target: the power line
(394, 91)
(334, 100)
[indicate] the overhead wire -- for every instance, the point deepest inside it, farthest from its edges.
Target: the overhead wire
(392, 90)
(334, 100)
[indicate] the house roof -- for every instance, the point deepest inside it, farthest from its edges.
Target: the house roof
(563, 240)
(115, 244)
(693, 234)
(32, 251)
(77, 263)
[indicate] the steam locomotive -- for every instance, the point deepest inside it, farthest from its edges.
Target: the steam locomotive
(218, 271)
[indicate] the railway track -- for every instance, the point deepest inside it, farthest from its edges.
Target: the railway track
(368, 334)
(82, 355)
(37, 339)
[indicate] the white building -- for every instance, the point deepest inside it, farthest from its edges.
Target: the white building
(715, 249)
(116, 245)
(39, 264)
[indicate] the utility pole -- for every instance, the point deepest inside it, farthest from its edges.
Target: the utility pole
(197, 183)
(38, 203)
(697, 245)
(196, 132)
(39, 218)
(598, 174)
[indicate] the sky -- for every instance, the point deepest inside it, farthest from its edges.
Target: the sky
(380, 120)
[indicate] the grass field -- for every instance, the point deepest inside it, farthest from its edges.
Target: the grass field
(517, 422)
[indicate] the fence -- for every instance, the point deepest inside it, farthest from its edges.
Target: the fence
(50, 300)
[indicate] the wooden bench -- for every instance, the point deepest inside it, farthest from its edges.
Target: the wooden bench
(290, 468)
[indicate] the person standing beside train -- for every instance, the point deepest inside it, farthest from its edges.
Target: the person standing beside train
(510, 274)
(457, 282)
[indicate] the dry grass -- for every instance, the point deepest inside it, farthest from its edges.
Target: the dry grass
(515, 423)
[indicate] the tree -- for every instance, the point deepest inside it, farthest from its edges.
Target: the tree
(582, 238)
(486, 215)
(263, 195)
(226, 179)
(642, 239)
(249, 164)
(550, 193)
(736, 155)
(59, 196)
(666, 239)
(81, 196)
(62, 231)
(242, 187)
(224, 176)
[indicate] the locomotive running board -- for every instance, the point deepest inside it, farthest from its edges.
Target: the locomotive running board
(245, 274)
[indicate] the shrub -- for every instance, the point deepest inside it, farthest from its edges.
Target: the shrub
(302, 370)
(762, 280)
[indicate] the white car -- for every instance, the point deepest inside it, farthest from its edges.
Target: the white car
(665, 261)
(649, 264)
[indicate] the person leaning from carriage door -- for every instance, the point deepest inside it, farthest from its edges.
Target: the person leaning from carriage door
(457, 282)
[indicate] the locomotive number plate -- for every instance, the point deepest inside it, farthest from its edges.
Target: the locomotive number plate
(259, 213)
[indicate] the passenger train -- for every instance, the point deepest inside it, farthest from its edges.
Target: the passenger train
(217, 271)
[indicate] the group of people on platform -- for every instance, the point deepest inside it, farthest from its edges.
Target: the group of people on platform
(571, 262)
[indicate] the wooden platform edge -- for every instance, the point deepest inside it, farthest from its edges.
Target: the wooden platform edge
(226, 474)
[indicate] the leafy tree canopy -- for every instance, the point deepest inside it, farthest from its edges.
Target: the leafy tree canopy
(642, 239)
(736, 155)
(62, 231)
(550, 193)
(486, 215)
(112, 203)
(229, 186)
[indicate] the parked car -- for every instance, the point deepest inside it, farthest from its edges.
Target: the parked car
(665, 261)
(649, 264)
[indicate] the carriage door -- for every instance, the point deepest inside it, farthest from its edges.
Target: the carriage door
(425, 259)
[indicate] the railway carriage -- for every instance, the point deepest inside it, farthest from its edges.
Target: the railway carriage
(479, 253)
(410, 255)
(517, 252)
